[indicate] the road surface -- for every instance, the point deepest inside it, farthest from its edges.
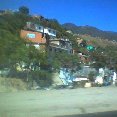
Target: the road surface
(59, 103)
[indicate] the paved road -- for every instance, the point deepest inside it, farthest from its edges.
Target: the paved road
(61, 103)
(101, 114)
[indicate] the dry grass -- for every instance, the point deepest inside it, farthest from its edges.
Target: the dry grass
(97, 41)
(11, 84)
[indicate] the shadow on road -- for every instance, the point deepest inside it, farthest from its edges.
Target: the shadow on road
(99, 114)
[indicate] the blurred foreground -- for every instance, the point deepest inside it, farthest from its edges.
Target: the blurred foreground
(62, 102)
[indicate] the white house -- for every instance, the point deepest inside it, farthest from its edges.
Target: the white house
(39, 28)
(36, 27)
(50, 32)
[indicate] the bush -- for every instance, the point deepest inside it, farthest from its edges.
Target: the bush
(91, 76)
(18, 74)
(12, 84)
(43, 78)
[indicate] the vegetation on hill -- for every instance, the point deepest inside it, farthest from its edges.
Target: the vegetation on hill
(92, 31)
(105, 54)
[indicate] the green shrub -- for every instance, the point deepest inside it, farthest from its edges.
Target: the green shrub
(91, 76)
(43, 78)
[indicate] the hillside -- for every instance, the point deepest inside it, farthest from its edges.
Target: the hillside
(92, 31)
(38, 65)
(16, 51)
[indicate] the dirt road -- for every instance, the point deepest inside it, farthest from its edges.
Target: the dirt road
(52, 103)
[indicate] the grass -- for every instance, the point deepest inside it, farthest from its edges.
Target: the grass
(12, 84)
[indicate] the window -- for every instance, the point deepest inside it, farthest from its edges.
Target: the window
(30, 35)
(54, 32)
(49, 30)
(40, 28)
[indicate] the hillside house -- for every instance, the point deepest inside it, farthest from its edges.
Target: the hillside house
(36, 38)
(34, 27)
(50, 32)
(38, 28)
(3, 12)
(59, 45)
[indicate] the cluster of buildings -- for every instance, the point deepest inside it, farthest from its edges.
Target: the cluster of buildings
(41, 37)
(44, 38)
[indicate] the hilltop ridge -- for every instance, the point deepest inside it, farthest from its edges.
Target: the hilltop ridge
(90, 30)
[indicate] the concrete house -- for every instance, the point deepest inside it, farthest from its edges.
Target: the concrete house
(58, 45)
(34, 27)
(38, 28)
(50, 32)
(35, 37)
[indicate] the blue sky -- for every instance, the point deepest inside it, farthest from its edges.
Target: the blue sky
(98, 13)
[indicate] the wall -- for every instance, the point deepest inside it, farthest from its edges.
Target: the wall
(34, 37)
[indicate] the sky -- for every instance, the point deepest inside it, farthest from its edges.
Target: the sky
(98, 13)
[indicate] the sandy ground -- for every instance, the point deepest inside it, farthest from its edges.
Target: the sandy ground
(53, 103)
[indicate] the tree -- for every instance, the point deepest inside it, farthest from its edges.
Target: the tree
(91, 76)
(63, 59)
(99, 58)
(24, 10)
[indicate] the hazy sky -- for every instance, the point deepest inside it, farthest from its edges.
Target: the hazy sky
(99, 13)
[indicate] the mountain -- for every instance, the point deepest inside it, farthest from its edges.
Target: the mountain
(92, 31)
